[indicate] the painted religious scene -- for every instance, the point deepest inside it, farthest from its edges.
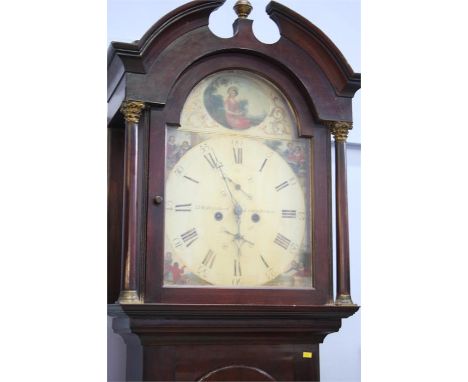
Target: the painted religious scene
(238, 189)
(240, 102)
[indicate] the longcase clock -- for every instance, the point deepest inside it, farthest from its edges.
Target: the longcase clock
(220, 253)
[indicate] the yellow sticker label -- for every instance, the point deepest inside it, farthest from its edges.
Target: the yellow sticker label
(307, 354)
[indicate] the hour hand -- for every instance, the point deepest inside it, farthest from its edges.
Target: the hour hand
(238, 237)
(238, 187)
(229, 233)
(235, 236)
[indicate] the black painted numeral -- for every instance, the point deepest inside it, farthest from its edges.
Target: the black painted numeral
(288, 214)
(209, 259)
(237, 272)
(191, 179)
(189, 237)
(177, 242)
(263, 165)
(206, 264)
(264, 262)
(237, 154)
(269, 272)
(237, 268)
(279, 187)
(212, 160)
(282, 241)
(183, 207)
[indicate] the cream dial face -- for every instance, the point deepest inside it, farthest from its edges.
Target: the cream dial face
(235, 212)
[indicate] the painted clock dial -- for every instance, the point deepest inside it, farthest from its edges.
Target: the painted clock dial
(235, 214)
(237, 189)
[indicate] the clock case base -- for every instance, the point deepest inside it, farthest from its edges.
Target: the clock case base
(207, 342)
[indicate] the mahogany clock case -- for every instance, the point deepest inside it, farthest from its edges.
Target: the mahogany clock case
(195, 54)
(211, 333)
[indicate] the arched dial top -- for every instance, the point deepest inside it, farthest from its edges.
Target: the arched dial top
(237, 210)
(241, 103)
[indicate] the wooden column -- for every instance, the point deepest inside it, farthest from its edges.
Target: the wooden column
(129, 284)
(340, 131)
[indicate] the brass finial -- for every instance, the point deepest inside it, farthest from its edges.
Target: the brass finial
(243, 8)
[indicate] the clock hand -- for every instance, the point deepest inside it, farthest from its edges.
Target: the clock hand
(234, 201)
(239, 253)
(239, 187)
(230, 233)
(246, 241)
(237, 211)
(239, 237)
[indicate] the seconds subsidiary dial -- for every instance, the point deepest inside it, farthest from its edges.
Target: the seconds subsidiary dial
(235, 212)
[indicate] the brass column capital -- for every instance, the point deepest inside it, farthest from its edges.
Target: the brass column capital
(339, 129)
(132, 110)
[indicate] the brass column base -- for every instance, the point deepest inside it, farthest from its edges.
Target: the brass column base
(128, 297)
(344, 299)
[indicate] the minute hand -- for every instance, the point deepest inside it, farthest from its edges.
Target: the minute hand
(237, 207)
(234, 201)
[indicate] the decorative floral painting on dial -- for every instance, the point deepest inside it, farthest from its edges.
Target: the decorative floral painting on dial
(237, 205)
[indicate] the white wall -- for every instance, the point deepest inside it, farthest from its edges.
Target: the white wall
(128, 20)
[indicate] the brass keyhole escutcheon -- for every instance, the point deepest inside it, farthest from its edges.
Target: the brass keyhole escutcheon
(158, 199)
